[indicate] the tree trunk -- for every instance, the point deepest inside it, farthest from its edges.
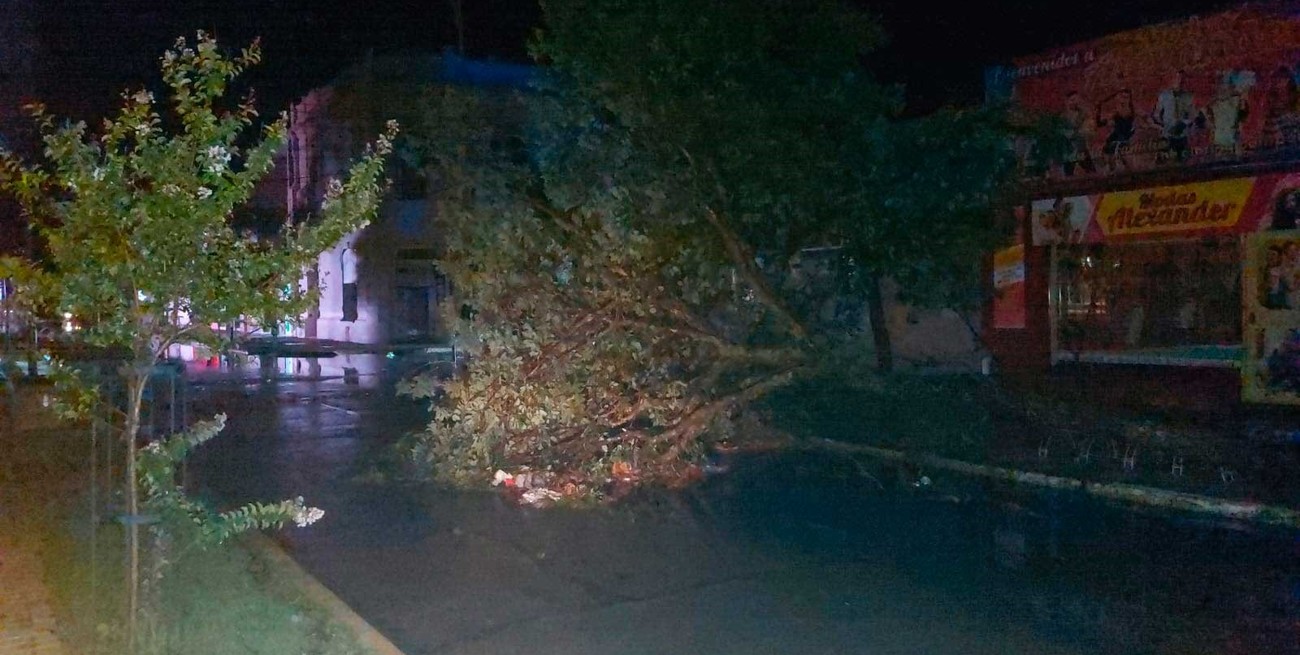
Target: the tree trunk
(136, 379)
(879, 328)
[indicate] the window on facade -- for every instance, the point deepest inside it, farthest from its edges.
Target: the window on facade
(295, 167)
(348, 267)
(416, 261)
(1147, 295)
(416, 253)
(409, 182)
(418, 268)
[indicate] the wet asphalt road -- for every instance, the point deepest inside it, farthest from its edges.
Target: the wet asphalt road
(794, 554)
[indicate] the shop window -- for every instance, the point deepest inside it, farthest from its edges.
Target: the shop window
(1145, 296)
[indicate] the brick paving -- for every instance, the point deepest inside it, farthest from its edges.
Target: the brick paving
(27, 624)
(26, 621)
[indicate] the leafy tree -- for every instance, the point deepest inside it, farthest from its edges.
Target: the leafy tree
(139, 247)
(920, 208)
(629, 274)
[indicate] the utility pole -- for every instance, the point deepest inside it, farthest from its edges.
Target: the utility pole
(458, 18)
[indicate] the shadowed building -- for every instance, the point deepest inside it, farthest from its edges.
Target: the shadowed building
(380, 284)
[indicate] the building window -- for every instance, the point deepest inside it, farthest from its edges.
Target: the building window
(409, 182)
(349, 270)
(295, 167)
(1144, 296)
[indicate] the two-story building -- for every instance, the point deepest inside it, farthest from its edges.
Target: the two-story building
(379, 285)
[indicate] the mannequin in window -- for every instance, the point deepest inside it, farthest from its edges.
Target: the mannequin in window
(349, 266)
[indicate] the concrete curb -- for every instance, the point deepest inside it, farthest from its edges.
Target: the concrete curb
(366, 634)
(1117, 491)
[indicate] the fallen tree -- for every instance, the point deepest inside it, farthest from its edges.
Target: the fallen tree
(630, 258)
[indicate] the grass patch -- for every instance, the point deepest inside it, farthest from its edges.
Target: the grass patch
(218, 601)
(215, 601)
(949, 415)
(1056, 427)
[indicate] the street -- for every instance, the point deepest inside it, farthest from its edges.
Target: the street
(783, 554)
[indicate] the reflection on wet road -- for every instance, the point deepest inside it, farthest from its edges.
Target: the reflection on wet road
(786, 554)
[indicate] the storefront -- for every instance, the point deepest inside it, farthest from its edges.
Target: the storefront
(1202, 274)
(1161, 228)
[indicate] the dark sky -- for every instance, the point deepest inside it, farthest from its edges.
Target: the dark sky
(940, 51)
(93, 48)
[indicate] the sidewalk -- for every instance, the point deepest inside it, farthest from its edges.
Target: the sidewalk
(26, 621)
(27, 624)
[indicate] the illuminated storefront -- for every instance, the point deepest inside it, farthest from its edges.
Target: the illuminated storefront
(1161, 229)
(1155, 275)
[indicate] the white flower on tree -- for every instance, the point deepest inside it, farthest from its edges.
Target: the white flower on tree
(305, 516)
(333, 191)
(217, 159)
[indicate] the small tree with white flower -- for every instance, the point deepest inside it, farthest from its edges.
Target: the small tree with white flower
(139, 247)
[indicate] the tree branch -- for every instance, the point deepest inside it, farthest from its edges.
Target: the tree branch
(166, 343)
(699, 418)
(743, 258)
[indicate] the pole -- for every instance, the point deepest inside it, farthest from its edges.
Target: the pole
(458, 17)
(185, 403)
(137, 383)
(94, 513)
(4, 291)
(171, 405)
(108, 470)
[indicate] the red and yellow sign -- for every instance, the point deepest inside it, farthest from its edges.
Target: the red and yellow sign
(1009, 288)
(1243, 205)
(1214, 206)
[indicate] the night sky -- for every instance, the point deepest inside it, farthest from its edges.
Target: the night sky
(94, 48)
(87, 51)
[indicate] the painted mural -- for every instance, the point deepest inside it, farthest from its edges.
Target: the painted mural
(1271, 366)
(1220, 88)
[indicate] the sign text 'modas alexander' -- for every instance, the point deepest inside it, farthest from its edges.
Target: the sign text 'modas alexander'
(1171, 210)
(1210, 205)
